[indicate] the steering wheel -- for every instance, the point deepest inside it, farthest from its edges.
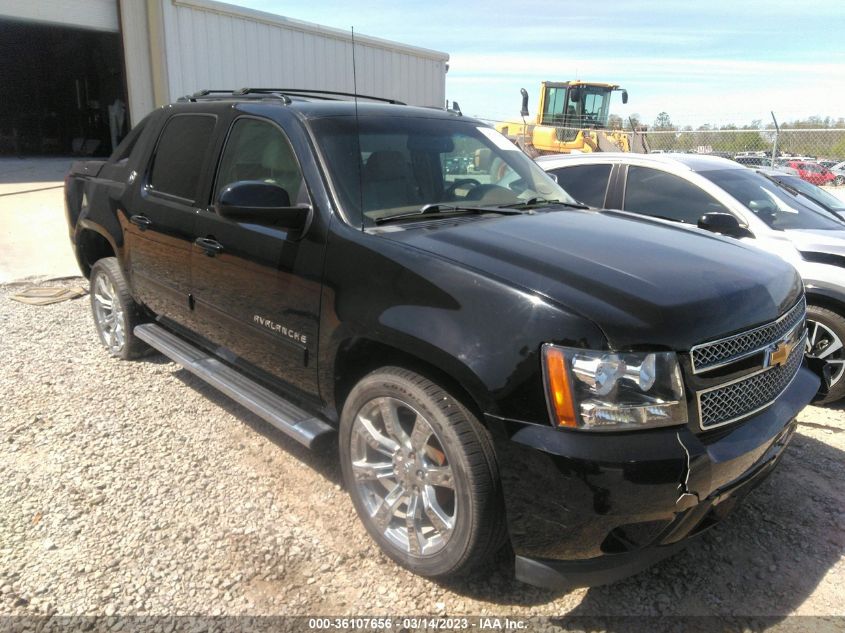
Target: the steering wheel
(450, 191)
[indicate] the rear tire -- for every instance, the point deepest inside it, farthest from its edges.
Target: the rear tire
(825, 340)
(115, 312)
(421, 472)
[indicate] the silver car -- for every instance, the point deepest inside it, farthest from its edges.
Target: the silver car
(722, 196)
(839, 171)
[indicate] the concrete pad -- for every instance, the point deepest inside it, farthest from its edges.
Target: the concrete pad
(33, 231)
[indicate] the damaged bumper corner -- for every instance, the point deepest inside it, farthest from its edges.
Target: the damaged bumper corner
(584, 509)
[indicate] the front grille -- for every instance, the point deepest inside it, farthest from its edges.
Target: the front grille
(747, 395)
(715, 354)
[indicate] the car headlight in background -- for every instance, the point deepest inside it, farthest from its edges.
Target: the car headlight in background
(612, 391)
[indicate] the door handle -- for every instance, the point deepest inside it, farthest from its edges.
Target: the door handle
(211, 247)
(141, 221)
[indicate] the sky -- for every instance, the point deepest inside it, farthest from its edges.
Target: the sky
(714, 61)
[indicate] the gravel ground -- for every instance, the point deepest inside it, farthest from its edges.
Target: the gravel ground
(133, 488)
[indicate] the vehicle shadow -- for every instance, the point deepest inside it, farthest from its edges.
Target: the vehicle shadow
(322, 458)
(763, 561)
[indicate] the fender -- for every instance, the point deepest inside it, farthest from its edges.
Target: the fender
(827, 290)
(484, 333)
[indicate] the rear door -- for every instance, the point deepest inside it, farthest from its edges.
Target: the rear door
(159, 227)
(257, 288)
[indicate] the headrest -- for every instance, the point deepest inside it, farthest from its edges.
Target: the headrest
(276, 156)
(385, 165)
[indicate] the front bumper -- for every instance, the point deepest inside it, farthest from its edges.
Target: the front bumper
(586, 509)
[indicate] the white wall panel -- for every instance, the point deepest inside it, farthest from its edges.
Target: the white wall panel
(100, 15)
(136, 52)
(215, 45)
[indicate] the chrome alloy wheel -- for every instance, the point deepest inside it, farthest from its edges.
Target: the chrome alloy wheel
(402, 476)
(108, 313)
(824, 344)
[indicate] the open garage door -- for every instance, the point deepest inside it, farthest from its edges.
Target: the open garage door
(63, 90)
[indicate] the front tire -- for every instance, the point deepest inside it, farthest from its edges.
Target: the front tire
(115, 312)
(421, 473)
(825, 340)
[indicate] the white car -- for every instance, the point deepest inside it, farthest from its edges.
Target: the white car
(722, 196)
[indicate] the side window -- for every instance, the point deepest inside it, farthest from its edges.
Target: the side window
(654, 192)
(257, 150)
(585, 183)
(179, 155)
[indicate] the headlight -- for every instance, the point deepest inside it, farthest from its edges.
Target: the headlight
(610, 391)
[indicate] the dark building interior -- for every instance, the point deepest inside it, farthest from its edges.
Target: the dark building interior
(63, 90)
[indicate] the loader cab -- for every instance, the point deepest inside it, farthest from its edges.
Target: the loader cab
(575, 104)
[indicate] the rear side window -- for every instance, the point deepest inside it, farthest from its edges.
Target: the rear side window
(656, 193)
(585, 183)
(180, 153)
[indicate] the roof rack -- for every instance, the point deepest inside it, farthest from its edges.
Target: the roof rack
(283, 94)
(243, 93)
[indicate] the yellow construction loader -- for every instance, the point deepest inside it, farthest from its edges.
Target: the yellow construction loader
(572, 116)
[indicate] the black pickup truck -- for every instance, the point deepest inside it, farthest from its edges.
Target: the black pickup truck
(498, 363)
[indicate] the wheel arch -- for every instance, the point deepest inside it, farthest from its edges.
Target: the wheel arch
(826, 299)
(358, 357)
(91, 246)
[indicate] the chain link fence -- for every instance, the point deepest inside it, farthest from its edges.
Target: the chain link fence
(812, 144)
(821, 151)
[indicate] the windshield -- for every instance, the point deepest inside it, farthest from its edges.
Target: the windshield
(406, 163)
(778, 208)
(812, 191)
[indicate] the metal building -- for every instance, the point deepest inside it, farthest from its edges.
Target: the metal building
(78, 73)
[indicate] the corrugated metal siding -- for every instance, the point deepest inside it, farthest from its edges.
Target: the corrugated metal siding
(136, 52)
(213, 45)
(100, 15)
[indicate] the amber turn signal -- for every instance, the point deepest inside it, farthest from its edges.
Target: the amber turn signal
(560, 394)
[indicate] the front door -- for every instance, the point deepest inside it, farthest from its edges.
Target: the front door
(257, 288)
(159, 226)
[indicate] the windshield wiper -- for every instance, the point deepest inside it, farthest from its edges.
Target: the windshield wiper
(435, 208)
(531, 202)
(782, 185)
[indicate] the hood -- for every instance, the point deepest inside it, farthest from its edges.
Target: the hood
(818, 241)
(644, 282)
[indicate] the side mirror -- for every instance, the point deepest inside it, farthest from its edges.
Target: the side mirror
(724, 224)
(260, 202)
(624, 96)
(524, 110)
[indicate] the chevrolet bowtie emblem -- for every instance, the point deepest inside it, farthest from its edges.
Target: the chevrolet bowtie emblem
(780, 354)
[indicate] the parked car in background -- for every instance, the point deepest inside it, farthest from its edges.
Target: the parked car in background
(838, 171)
(812, 172)
(753, 161)
(724, 197)
(835, 206)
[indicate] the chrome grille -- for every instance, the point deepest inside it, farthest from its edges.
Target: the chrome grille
(738, 399)
(715, 354)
